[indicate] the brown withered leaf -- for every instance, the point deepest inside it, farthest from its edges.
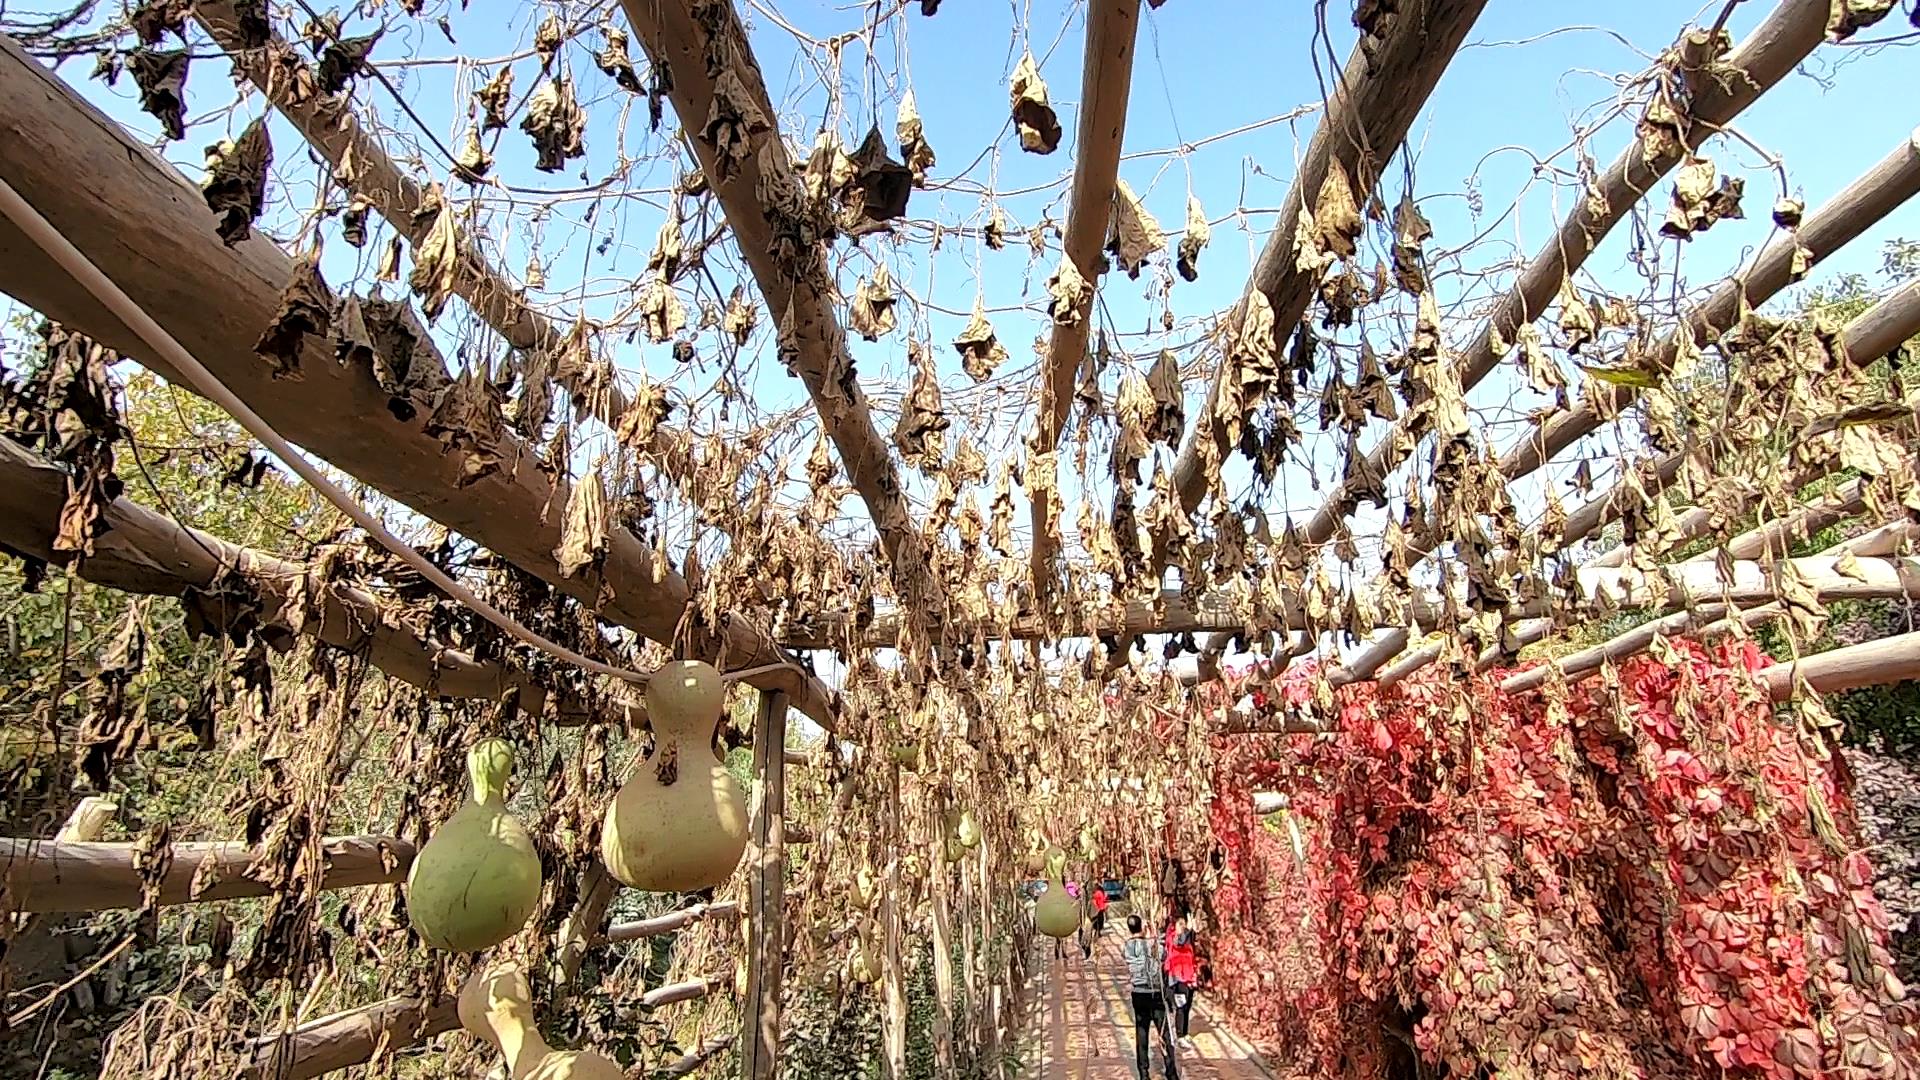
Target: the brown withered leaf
(1577, 323)
(1697, 204)
(742, 313)
(660, 310)
(1071, 295)
(235, 185)
(583, 537)
(995, 233)
(669, 247)
(162, 79)
(980, 350)
(353, 221)
(921, 430)
(1787, 212)
(306, 307)
(1134, 234)
(912, 133)
(616, 64)
(155, 19)
(436, 258)
(1169, 421)
(1193, 241)
(1411, 231)
(645, 413)
(1849, 17)
(881, 184)
(1336, 214)
(556, 124)
(495, 97)
(1039, 128)
(547, 39)
(734, 122)
(344, 60)
(871, 313)
(473, 162)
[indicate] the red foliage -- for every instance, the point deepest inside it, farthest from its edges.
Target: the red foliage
(1637, 878)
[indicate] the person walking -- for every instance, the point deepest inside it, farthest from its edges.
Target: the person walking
(1146, 980)
(1183, 975)
(1100, 902)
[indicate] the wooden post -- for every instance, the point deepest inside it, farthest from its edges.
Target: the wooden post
(893, 983)
(766, 894)
(942, 948)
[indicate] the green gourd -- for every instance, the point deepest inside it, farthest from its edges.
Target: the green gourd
(1056, 914)
(679, 823)
(477, 880)
(496, 1005)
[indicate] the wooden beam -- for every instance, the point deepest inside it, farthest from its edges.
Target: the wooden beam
(330, 128)
(51, 876)
(350, 1038)
(1378, 94)
(1876, 663)
(146, 552)
(125, 208)
(1106, 82)
(672, 921)
(766, 896)
(1721, 90)
(799, 289)
(693, 1060)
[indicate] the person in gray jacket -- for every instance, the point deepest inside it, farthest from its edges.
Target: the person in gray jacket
(1145, 980)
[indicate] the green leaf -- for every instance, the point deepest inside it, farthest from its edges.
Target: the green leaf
(1635, 377)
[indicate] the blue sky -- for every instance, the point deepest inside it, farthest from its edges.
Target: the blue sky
(1204, 67)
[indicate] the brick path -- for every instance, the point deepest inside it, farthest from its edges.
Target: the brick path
(1087, 1021)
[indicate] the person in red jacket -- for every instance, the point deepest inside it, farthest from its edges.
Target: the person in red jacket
(1099, 910)
(1183, 973)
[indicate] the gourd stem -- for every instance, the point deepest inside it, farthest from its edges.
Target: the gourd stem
(489, 767)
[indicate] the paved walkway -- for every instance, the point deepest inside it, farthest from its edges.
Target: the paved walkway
(1087, 1021)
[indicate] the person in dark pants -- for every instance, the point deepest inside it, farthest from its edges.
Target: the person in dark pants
(1183, 973)
(1144, 979)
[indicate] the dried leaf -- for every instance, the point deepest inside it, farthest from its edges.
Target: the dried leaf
(556, 124)
(920, 432)
(741, 315)
(1070, 292)
(871, 313)
(1411, 231)
(995, 233)
(980, 350)
(616, 64)
(436, 257)
(1134, 233)
(305, 308)
(473, 162)
(162, 79)
(734, 122)
(583, 539)
(669, 247)
(494, 99)
(882, 185)
(661, 313)
(1576, 318)
(155, 19)
(344, 60)
(913, 139)
(235, 185)
(1336, 215)
(1039, 128)
(1196, 238)
(1849, 17)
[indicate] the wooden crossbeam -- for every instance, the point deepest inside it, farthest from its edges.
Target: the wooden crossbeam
(1106, 83)
(125, 208)
(148, 553)
(51, 876)
(766, 895)
(763, 201)
(349, 1038)
(1721, 90)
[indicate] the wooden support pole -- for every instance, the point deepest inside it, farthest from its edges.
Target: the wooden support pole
(582, 928)
(49, 876)
(1106, 82)
(944, 998)
(124, 207)
(766, 895)
(1876, 663)
(672, 921)
(799, 290)
(350, 1038)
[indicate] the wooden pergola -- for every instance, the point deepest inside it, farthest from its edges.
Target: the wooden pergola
(1459, 578)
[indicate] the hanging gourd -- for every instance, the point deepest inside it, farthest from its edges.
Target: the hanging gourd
(864, 964)
(679, 823)
(865, 889)
(1056, 914)
(966, 830)
(477, 880)
(495, 1004)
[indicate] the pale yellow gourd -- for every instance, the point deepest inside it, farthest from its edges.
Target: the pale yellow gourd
(495, 1004)
(476, 881)
(679, 823)
(1056, 914)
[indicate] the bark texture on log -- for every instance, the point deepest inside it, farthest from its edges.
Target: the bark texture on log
(44, 876)
(351, 1038)
(136, 217)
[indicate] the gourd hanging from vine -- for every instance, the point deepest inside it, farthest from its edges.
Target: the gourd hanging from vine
(1056, 914)
(679, 823)
(476, 881)
(495, 1004)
